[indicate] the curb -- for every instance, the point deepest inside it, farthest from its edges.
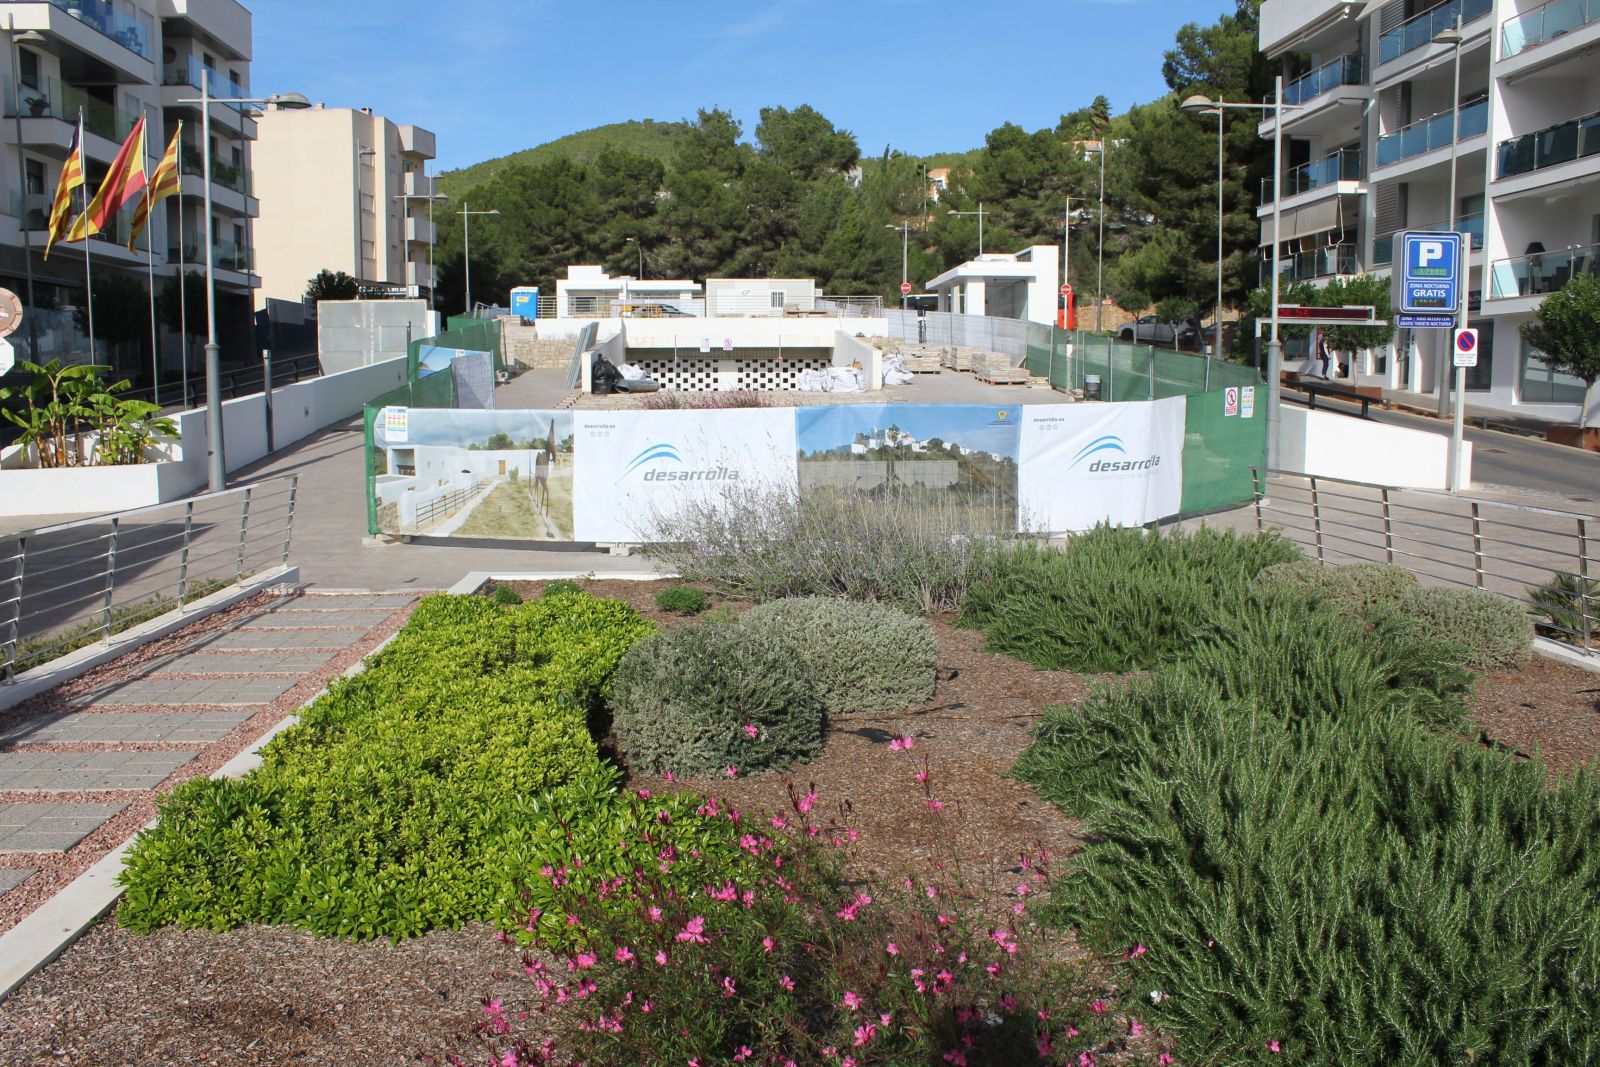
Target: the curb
(474, 580)
(1544, 646)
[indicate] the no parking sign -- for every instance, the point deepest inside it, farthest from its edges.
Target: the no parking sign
(1230, 400)
(1466, 353)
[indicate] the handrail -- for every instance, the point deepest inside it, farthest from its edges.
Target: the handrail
(1542, 272)
(1421, 29)
(1434, 132)
(1545, 23)
(1348, 69)
(1548, 147)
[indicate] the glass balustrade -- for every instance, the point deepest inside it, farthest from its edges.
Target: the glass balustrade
(1346, 70)
(1342, 166)
(1562, 143)
(1383, 245)
(191, 161)
(1421, 29)
(132, 32)
(187, 71)
(1432, 133)
(1542, 272)
(57, 100)
(1545, 24)
(1316, 263)
(226, 255)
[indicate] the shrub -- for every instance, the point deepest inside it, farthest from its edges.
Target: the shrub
(504, 594)
(1354, 587)
(682, 600)
(701, 699)
(861, 658)
(389, 809)
(1496, 632)
(765, 542)
(1562, 601)
(1115, 599)
(560, 587)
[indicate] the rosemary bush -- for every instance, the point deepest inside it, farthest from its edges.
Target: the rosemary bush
(862, 658)
(1495, 632)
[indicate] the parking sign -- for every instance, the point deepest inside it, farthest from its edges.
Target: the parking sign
(1430, 274)
(1466, 354)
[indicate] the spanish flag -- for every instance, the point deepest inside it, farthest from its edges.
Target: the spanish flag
(124, 181)
(71, 180)
(163, 183)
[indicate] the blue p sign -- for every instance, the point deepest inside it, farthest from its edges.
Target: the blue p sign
(1430, 277)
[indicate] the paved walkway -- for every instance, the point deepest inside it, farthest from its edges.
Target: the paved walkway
(74, 760)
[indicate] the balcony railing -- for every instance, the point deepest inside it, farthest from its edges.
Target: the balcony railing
(1346, 70)
(1545, 24)
(1542, 272)
(226, 255)
(1341, 166)
(1383, 245)
(186, 71)
(57, 100)
(130, 32)
(1573, 139)
(1433, 132)
(1317, 263)
(191, 161)
(36, 207)
(1420, 29)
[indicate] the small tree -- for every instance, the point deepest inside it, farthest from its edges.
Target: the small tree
(331, 285)
(1566, 331)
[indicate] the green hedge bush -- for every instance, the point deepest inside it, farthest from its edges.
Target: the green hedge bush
(681, 702)
(1116, 599)
(861, 658)
(1496, 633)
(389, 809)
(682, 600)
(560, 587)
(504, 594)
(1353, 587)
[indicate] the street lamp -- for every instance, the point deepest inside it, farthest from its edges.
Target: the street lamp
(218, 469)
(905, 258)
(980, 213)
(1203, 105)
(361, 219)
(466, 247)
(1100, 250)
(430, 196)
(1217, 111)
(640, 247)
(32, 37)
(1453, 37)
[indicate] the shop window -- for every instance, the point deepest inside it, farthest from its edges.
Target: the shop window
(1541, 385)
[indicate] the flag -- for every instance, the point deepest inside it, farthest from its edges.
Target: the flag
(71, 179)
(123, 182)
(163, 183)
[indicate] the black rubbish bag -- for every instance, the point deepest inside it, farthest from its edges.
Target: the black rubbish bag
(604, 376)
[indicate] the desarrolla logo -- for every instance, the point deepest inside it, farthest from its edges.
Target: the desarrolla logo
(657, 459)
(1109, 455)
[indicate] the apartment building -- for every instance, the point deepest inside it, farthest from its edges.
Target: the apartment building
(112, 63)
(343, 189)
(1373, 122)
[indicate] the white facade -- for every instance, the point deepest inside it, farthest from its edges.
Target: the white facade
(1023, 285)
(1368, 147)
(589, 292)
(759, 297)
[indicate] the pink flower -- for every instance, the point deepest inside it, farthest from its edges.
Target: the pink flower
(892, 949)
(886, 1018)
(1135, 952)
(1098, 1007)
(694, 930)
(805, 803)
(779, 822)
(1046, 1050)
(624, 954)
(922, 776)
(935, 805)
(731, 771)
(864, 1033)
(902, 744)
(669, 776)
(644, 794)
(655, 914)
(743, 1053)
(956, 1058)
(1085, 1059)
(1135, 1028)
(1165, 1059)
(750, 730)
(728, 988)
(1272, 1046)
(766, 944)
(852, 1000)
(662, 958)
(645, 1007)
(787, 983)
(584, 960)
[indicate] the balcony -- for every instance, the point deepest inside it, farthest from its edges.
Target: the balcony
(1346, 70)
(226, 255)
(1546, 24)
(1326, 262)
(1432, 133)
(192, 161)
(419, 274)
(1542, 272)
(419, 231)
(186, 70)
(58, 100)
(1383, 245)
(32, 210)
(416, 141)
(1341, 166)
(132, 33)
(1421, 29)
(1563, 143)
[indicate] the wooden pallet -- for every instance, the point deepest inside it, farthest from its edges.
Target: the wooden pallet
(1011, 376)
(956, 358)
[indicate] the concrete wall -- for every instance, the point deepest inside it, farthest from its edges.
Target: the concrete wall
(848, 350)
(1340, 446)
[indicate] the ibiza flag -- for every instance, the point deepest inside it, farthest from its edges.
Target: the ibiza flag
(163, 183)
(123, 182)
(71, 181)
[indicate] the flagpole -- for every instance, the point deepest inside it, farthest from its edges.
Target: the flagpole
(183, 288)
(150, 264)
(88, 276)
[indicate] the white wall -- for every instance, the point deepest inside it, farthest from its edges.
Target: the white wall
(848, 349)
(1341, 446)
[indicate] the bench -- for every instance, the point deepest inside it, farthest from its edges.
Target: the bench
(1315, 387)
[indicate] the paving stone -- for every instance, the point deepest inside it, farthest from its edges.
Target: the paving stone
(110, 769)
(282, 661)
(290, 619)
(275, 640)
(344, 602)
(120, 727)
(50, 827)
(11, 877)
(160, 692)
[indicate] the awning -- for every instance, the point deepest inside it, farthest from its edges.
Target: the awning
(1302, 222)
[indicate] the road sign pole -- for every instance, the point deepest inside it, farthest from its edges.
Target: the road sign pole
(1458, 421)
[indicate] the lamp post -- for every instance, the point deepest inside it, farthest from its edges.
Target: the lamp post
(980, 213)
(430, 196)
(30, 37)
(1100, 250)
(466, 247)
(634, 241)
(905, 258)
(1453, 37)
(1217, 317)
(216, 465)
(1204, 105)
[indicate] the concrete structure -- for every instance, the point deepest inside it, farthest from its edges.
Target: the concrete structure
(589, 292)
(116, 63)
(328, 178)
(1367, 153)
(1023, 285)
(759, 297)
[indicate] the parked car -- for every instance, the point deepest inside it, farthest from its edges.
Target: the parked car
(657, 311)
(1148, 331)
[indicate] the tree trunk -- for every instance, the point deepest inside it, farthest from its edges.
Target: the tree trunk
(1583, 412)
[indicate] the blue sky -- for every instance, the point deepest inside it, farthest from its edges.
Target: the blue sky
(494, 76)
(970, 425)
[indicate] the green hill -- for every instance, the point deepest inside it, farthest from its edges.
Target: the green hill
(646, 138)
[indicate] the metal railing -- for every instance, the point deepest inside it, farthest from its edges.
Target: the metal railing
(1421, 29)
(1345, 70)
(1546, 24)
(1327, 262)
(1542, 272)
(66, 586)
(187, 70)
(1512, 550)
(1435, 131)
(54, 99)
(1383, 244)
(131, 32)
(1341, 166)
(1549, 147)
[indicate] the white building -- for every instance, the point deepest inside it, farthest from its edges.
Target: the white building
(1368, 149)
(589, 292)
(1023, 285)
(760, 297)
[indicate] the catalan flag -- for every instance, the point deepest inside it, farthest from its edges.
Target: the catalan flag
(123, 182)
(71, 181)
(163, 183)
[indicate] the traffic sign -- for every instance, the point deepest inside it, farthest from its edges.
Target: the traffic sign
(1429, 278)
(1230, 400)
(1425, 322)
(10, 312)
(905, 288)
(1066, 290)
(1466, 348)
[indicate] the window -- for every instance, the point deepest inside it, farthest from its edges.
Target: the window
(778, 296)
(29, 71)
(1478, 378)
(35, 177)
(1541, 385)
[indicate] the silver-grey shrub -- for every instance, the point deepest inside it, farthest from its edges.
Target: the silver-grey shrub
(1496, 632)
(1353, 587)
(680, 702)
(920, 551)
(862, 658)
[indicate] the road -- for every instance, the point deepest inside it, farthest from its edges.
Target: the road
(1505, 465)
